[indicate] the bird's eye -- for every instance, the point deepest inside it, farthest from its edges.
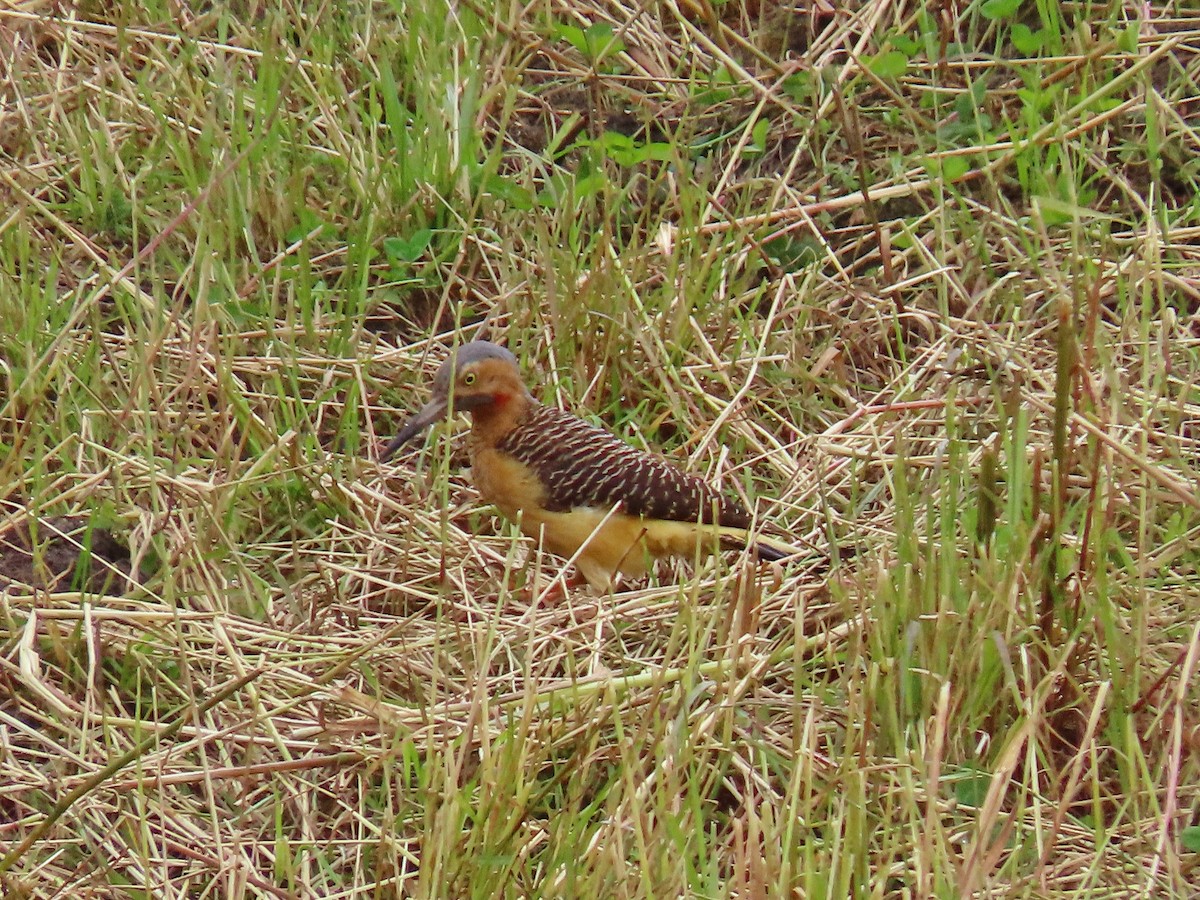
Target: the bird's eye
(469, 379)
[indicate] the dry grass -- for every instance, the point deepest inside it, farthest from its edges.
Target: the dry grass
(922, 284)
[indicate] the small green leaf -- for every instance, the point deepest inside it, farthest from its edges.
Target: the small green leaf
(408, 249)
(1035, 98)
(596, 42)
(799, 87)
(721, 76)
(1190, 838)
(1053, 211)
(758, 136)
(971, 788)
(573, 36)
(1028, 41)
(1128, 38)
(891, 64)
(999, 9)
(660, 151)
(510, 192)
(955, 167)
(601, 42)
(968, 103)
(909, 46)
(614, 141)
(625, 151)
(794, 253)
(948, 168)
(568, 189)
(618, 147)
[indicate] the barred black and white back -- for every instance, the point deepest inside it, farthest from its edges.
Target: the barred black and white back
(582, 465)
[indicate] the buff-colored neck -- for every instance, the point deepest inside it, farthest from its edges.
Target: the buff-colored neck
(491, 422)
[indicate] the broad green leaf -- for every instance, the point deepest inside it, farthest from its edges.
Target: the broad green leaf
(999, 9)
(891, 64)
(1128, 38)
(409, 249)
(1028, 41)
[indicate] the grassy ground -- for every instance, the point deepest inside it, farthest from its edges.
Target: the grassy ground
(920, 280)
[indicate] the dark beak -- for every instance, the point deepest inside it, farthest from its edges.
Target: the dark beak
(432, 411)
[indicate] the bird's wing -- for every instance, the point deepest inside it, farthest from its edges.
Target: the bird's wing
(581, 465)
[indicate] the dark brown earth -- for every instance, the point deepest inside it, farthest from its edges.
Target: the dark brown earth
(52, 560)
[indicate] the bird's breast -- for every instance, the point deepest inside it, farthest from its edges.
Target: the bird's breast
(505, 481)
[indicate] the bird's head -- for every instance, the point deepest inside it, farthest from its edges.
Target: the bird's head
(479, 377)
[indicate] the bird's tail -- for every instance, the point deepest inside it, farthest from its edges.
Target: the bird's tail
(768, 549)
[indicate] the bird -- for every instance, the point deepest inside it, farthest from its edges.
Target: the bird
(579, 489)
